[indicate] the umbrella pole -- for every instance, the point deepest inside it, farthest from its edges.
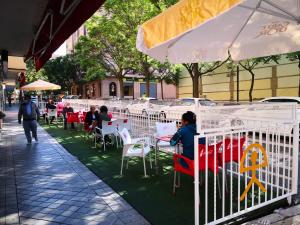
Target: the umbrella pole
(237, 83)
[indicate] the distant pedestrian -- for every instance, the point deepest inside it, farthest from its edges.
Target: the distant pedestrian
(9, 100)
(30, 113)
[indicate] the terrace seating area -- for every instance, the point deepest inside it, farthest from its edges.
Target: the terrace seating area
(125, 159)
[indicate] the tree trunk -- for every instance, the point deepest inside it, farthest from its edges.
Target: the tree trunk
(252, 85)
(200, 86)
(121, 83)
(147, 86)
(162, 89)
(196, 76)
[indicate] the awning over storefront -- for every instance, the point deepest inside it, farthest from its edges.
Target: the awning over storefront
(36, 28)
(60, 20)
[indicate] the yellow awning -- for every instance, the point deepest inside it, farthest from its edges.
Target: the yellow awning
(182, 17)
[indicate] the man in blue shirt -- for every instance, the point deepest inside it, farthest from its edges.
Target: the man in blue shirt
(186, 134)
(30, 113)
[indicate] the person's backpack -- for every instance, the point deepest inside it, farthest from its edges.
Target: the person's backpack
(27, 114)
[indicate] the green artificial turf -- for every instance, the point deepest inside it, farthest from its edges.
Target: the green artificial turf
(152, 196)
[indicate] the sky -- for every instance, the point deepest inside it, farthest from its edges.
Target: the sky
(61, 51)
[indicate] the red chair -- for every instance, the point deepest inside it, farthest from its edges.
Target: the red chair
(73, 117)
(83, 116)
(70, 117)
(212, 162)
(76, 117)
(236, 147)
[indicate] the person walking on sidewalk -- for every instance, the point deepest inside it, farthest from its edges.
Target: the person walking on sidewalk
(30, 113)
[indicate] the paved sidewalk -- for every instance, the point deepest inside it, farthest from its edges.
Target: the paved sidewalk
(44, 184)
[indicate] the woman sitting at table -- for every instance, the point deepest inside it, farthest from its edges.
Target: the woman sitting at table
(91, 118)
(103, 116)
(67, 109)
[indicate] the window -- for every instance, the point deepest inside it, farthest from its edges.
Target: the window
(128, 89)
(112, 89)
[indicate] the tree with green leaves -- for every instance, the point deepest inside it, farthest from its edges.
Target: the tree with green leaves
(32, 74)
(111, 42)
(196, 72)
(250, 64)
(295, 56)
(168, 74)
(61, 70)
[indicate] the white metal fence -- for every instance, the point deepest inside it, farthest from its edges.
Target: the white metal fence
(256, 144)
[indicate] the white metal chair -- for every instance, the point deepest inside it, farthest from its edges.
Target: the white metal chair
(108, 128)
(137, 147)
(52, 113)
(164, 129)
(124, 123)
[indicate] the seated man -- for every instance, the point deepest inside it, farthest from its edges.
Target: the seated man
(91, 118)
(67, 109)
(185, 135)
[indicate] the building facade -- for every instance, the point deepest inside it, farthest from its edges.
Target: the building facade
(133, 88)
(270, 80)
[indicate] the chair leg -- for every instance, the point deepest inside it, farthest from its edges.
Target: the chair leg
(226, 186)
(121, 172)
(201, 179)
(178, 179)
(174, 182)
(145, 172)
(150, 160)
(95, 140)
(104, 146)
(219, 187)
(117, 141)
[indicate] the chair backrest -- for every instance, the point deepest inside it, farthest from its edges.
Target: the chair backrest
(165, 129)
(212, 158)
(233, 150)
(124, 123)
(76, 117)
(52, 112)
(109, 127)
(69, 114)
(124, 134)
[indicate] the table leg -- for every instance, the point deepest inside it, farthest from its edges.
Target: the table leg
(156, 148)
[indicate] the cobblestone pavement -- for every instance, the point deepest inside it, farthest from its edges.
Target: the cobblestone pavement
(44, 184)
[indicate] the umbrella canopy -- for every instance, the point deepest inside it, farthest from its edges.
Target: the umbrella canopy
(208, 30)
(40, 85)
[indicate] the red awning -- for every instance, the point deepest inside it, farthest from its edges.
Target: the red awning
(61, 19)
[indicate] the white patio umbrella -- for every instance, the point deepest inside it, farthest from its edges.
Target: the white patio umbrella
(40, 85)
(208, 30)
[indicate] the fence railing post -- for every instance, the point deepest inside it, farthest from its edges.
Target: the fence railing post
(196, 179)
